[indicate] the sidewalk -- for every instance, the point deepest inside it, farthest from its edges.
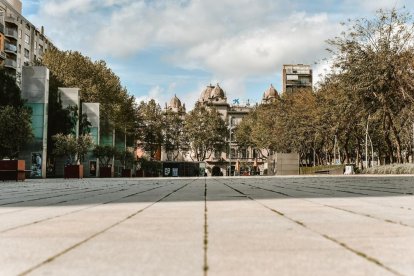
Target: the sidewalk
(208, 226)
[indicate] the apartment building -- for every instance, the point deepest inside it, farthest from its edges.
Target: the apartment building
(296, 76)
(2, 53)
(23, 42)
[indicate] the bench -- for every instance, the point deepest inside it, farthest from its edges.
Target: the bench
(322, 172)
(13, 175)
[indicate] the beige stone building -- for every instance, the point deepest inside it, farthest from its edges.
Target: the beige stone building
(270, 95)
(244, 160)
(175, 105)
(23, 42)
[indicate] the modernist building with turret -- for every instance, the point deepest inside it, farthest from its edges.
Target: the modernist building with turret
(246, 159)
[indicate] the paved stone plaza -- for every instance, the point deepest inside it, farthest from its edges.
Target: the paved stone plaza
(210, 226)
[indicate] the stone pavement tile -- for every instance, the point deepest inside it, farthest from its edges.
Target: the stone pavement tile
(165, 239)
(248, 239)
(396, 251)
(26, 247)
(31, 215)
(295, 262)
(364, 207)
(344, 227)
(9, 210)
(402, 202)
(337, 221)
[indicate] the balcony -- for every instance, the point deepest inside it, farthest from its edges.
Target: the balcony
(11, 20)
(2, 55)
(11, 33)
(10, 48)
(10, 63)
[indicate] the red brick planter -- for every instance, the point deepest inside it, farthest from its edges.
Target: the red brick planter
(139, 173)
(73, 171)
(105, 172)
(12, 170)
(126, 173)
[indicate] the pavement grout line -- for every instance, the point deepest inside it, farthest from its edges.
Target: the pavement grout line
(48, 197)
(54, 257)
(59, 202)
(332, 192)
(329, 206)
(79, 210)
(345, 246)
(205, 242)
(64, 201)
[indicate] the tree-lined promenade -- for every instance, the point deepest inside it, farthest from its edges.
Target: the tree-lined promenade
(362, 105)
(365, 100)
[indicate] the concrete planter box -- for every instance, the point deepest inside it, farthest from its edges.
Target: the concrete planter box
(73, 171)
(12, 170)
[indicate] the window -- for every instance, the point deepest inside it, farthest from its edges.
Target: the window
(244, 153)
(20, 48)
(40, 49)
(27, 38)
(217, 154)
(35, 45)
(20, 33)
(26, 53)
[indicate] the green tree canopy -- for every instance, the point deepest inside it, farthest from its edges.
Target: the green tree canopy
(97, 83)
(175, 140)
(105, 154)
(205, 131)
(150, 128)
(71, 148)
(15, 130)
(374, 58)
(10, 93)
(15, 119)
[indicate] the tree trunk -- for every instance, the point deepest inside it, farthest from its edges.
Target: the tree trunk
(397, 138)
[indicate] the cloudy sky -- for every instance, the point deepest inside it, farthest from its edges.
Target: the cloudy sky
(164, 47)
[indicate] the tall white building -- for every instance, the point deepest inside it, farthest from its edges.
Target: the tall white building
(296, 77)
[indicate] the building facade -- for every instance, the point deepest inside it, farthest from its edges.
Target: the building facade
(296, 76)
(2, 29)
(242, 160)
(23, 42)
(270, 95)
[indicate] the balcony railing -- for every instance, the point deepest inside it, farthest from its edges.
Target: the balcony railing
(2, 55)
(10, 63)
(10, 48)
(11, 33)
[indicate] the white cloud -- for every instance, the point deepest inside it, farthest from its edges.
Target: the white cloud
(157, 93)
(232, 40)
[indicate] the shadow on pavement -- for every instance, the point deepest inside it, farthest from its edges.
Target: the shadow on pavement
(59, 192)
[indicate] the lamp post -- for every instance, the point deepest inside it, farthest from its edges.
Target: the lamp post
(230, 147)
(366, 144)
